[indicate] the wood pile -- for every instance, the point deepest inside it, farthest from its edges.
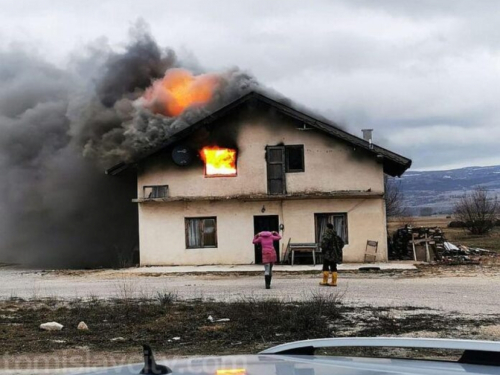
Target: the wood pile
(417, 243)
(429, 244)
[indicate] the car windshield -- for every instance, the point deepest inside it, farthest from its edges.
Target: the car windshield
(191, 179)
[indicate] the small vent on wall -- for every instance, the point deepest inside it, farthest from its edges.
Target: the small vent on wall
(304, 127)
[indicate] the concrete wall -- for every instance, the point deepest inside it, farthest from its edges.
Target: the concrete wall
(330, 165)
(162, 232)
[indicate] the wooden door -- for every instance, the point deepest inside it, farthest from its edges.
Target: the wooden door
(276, 182)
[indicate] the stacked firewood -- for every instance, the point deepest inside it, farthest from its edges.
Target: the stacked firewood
(404, 242)
(429, 244)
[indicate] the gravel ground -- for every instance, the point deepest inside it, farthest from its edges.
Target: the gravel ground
(472, 293)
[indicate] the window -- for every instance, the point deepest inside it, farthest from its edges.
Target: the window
(339, 221)
(219, 161)
(155, 191)
(201, 232)
(294, 156)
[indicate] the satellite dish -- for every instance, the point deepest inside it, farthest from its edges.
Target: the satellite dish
(182, 155)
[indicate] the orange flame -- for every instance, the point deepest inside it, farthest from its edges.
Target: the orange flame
(219, 161)
(178, 90)
(234, 371)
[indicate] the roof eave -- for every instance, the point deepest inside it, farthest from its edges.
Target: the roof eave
(396, 167)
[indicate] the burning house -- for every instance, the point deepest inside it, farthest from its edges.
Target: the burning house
(257, 164)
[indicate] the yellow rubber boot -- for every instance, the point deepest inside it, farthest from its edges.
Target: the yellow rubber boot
(334, 279)
(325, 278)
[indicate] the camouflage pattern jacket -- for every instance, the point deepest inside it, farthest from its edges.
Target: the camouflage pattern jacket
(331, 246)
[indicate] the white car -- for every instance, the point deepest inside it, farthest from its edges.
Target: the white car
(298, 358)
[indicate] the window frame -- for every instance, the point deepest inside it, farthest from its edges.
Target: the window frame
(346, 225)
(186, 230)
(287, 166)
(152, 187)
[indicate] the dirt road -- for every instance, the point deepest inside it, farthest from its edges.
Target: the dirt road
(470, 293)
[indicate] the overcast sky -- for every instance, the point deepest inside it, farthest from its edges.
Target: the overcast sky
(424, 74)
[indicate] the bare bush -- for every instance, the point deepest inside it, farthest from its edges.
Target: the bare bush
(406, 221)
(456, 224)
(394, 199)
(166, 298)
(477, 210)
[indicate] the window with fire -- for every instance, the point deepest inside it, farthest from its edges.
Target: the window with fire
(201, 232)
(219, 161)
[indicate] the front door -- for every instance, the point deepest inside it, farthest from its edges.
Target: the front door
(266, 223)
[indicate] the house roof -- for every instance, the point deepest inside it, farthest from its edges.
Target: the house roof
(394, 164)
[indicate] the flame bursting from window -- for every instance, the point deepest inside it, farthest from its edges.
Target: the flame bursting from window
(219, 161)
(178, 90)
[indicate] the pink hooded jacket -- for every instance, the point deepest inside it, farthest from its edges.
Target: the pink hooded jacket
(266, 240)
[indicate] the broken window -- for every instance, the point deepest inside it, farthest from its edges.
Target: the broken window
(339, 221)
(155, 191)
(201, 232)
(294, 156)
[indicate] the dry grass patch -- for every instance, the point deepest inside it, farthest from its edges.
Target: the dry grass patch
(183, 328)
(175, 327)
(490, 241)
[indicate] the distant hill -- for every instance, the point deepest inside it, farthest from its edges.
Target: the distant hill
(436, 191)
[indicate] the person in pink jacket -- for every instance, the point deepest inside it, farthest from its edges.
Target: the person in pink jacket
(266, 240)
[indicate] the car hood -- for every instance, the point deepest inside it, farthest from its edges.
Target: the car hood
(303, 365)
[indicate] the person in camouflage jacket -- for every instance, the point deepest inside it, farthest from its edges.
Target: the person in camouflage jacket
(331, 247)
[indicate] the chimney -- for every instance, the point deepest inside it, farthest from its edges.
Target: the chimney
(367, 134)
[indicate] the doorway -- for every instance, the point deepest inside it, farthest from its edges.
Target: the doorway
(266, 223)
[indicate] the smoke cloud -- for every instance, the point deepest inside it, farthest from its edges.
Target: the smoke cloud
(59, 129)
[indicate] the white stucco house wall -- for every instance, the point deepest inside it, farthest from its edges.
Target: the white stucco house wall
(294, 173)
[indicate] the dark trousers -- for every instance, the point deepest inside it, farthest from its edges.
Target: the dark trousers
(329, 266)
(268, 274)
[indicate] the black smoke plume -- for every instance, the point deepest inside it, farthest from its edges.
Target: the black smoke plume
(60, 128)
